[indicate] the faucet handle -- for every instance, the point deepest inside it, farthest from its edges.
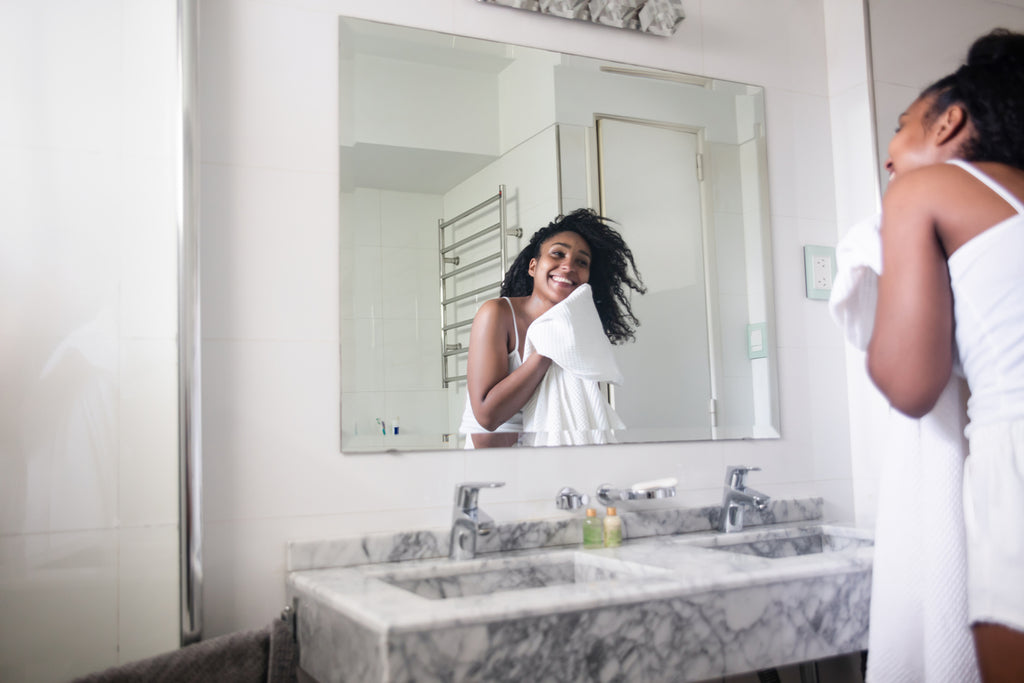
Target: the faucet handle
(735, 475)
(570, 499)
(466, 494)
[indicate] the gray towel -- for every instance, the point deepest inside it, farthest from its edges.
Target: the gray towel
(262, 656)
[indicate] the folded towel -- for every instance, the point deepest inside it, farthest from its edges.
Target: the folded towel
(568, 407)
(919, 630)
(267, 655)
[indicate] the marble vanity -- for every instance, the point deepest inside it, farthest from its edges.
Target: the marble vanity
(676, 602)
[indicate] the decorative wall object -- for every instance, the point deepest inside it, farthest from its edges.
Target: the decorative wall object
(659, 17)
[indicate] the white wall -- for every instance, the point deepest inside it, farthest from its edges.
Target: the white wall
(88, 325)
(270, 216)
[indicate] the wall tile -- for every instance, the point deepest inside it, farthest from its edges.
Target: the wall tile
(63, 589)
(778, 45)
(845, 45)
(148, 80)
(147, 592)
(854, 154)
(53, 102)
(262, 102)
(269, 256)
(362, 364)
(148, 250)
(410, 219)
(412, 354)
(276, 428)
(410, 284)
(801, 182)
(148, 404)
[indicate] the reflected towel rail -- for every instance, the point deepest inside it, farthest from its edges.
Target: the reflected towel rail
(447, 278)
(472, 238)
(474, 264)
(470, 295)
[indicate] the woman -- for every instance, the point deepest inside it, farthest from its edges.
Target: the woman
(572, 250)
(952, 272)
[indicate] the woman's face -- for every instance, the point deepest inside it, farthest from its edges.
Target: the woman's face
(912, 147)
(562, 265)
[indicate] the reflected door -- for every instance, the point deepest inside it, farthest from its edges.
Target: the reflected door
(649, 182)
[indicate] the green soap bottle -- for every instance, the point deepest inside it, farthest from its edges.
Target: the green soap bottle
(593, 531)
(612, 529)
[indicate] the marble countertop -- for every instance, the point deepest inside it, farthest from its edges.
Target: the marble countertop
(666, 605)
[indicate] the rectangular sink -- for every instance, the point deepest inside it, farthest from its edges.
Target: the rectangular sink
(789, 542)
(461, 580)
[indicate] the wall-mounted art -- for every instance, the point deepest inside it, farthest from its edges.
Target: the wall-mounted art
(659, 17)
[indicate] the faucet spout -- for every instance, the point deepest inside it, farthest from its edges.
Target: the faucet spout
(750, 497)
(737, 497)
(468, 521)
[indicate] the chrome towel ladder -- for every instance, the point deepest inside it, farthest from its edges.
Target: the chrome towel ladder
(447, 258)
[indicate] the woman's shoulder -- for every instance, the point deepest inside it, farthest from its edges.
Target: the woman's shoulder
(938, 184)
(494, 311)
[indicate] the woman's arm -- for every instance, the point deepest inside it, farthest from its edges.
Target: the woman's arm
(494, 394)
(910, 356)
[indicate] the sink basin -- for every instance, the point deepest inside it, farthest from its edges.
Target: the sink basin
(789, 542)
(463, 580)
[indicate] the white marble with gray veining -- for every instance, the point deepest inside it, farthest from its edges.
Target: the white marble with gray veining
(565, 530)
(663, 607)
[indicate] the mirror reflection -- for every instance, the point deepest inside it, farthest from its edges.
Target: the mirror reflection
(455, 151)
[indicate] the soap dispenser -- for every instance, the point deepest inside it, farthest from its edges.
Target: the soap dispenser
(612, 529)
(593, 533)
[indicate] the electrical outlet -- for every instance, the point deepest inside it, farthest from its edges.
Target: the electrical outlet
(819, 270)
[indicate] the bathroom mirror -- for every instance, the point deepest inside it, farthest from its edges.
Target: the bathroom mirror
(479, 144)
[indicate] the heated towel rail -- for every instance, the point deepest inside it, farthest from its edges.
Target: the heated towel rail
(451, 267)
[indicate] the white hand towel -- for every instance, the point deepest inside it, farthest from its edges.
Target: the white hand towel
(919, 630)
(855, 288)
(569, 407)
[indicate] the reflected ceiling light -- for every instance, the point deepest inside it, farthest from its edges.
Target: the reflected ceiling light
(659, 17)
(689, 79)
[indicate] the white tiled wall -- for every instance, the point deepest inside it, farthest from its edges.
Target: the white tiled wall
(88, 325)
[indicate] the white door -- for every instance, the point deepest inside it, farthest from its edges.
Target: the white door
(650, 187)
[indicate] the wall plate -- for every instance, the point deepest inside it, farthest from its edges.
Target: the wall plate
(819, 270)
(757, 341)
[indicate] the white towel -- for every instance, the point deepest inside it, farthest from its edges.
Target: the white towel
(919, 630)
(855, 287)
(568, 407)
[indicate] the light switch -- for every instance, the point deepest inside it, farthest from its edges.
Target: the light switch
(757, 342)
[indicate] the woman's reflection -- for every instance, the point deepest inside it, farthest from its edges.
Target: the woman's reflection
(572, 251)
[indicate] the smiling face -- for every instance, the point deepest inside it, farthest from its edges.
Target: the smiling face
(562, 265)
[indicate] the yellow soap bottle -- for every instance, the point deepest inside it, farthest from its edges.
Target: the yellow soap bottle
(593, 536)
(612, 529)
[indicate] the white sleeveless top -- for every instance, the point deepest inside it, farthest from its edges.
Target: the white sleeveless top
(515, 424)
(987, 279)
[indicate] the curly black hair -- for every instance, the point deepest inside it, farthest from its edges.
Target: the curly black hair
(990, 88)
(612, 269)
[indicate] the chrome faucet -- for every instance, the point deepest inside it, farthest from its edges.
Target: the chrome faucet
(469, 521)
(737, 497)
